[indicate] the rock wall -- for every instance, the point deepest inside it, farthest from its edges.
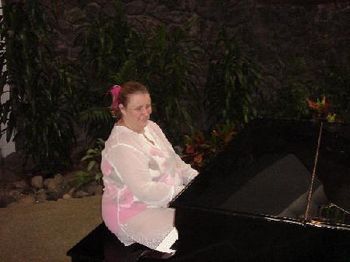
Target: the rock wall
(295, 39)
(289, 38)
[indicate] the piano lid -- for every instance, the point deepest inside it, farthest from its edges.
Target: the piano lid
(268, 168)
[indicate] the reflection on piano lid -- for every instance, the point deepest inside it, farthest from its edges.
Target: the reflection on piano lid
(256, 199)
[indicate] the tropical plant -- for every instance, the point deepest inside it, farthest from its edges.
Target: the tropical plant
(320, 106)
(296, 85)
(337, 89)
(102, 40)
(233, 80)
(38, 111)
(321, 109)
(91, 162)
(164, 60)
(200, 149)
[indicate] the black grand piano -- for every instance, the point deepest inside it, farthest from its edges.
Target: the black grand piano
(280, 191)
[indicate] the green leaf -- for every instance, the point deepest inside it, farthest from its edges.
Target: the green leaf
(91, 165)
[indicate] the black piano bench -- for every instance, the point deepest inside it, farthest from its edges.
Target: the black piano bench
(101, 245)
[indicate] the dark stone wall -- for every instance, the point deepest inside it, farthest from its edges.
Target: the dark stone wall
(295, 42)
(267, 28)
(290, 39)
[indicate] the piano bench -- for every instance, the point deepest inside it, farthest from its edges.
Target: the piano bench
(101, 245)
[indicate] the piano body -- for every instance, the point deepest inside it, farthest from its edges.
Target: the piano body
(264, 198)
(280, 191)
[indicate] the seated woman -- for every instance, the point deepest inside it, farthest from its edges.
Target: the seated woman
(141, 173)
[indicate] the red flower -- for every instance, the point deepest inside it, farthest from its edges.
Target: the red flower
(198, 160)
(189, 149)
(321, 106)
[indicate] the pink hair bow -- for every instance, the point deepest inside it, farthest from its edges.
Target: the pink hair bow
(115, 91)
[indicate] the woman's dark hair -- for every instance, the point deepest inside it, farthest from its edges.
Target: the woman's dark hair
(120, 95)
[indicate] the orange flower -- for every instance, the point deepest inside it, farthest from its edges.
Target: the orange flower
(319, 106)
(313, 105)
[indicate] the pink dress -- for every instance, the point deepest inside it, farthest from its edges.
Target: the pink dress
(140, 179)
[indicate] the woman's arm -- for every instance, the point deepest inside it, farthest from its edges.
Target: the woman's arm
(132, 167)
(186, 171)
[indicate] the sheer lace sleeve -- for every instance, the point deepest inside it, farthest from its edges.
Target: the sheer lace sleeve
(186, 171)
(133, 168)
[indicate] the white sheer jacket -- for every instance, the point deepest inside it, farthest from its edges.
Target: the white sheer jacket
(141, 175)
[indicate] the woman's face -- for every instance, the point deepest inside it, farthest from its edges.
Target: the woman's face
(137, 111)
